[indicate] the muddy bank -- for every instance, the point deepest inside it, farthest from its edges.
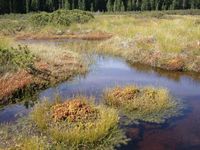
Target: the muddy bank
(62, 35)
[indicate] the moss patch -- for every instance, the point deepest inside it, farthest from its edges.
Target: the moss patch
(145, 104)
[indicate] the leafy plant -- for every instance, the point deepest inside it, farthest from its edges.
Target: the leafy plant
(61, 17)
(14, 58)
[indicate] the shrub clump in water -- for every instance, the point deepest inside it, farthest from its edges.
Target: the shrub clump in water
(143, 104)
(61, 17)
(74, 124)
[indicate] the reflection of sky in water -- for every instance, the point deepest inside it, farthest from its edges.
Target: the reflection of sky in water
(108, 72)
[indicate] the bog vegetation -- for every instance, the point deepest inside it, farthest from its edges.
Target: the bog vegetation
(75, 124)
(153, 39)
(143, 104)
(61, 17)
(12, 59)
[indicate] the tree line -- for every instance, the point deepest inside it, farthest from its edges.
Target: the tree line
(25, 6)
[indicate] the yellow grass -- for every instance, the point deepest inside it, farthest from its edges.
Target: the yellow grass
(171, 33)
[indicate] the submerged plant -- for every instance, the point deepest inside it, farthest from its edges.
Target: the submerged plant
(74, 124)
(143, 104)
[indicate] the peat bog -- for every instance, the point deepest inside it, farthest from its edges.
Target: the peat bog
(72, 79)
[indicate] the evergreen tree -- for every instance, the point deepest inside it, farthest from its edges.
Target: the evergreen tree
(117, 5)
(67, 5)
(130, 5)
(138, 5)
(153, 4)
(174, 5)
(25, 6)
(109, 5)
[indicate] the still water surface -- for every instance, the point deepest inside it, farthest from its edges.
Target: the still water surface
(177, 133)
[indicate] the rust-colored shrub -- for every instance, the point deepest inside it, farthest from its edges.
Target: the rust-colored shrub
(175, 64)
(12, 82)
(73, 110)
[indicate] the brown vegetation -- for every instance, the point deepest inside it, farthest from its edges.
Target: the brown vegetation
(73, 110)
(12, 82)
(146, 104)
(43, 72)
(50, 36)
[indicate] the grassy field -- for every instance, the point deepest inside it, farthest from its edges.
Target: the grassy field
(168, 33)
(170, 42)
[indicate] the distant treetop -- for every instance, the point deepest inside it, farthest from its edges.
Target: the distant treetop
(25, 6)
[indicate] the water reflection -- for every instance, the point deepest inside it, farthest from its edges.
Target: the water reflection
(179, 133)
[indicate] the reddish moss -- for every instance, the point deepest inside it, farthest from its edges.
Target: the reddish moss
(73, 110)
(13, 82)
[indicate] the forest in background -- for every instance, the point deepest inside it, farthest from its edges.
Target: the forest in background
(25, 6)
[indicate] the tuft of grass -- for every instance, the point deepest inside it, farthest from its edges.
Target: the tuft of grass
(143, 104)
(80, 124)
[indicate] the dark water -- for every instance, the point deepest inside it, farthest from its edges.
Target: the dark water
(178, 133)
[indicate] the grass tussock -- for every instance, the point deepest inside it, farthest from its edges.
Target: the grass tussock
(143, 104)
(74, 124)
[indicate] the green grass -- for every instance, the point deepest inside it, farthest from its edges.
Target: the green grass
(143, 104)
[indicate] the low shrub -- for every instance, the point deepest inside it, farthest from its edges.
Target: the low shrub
(14, 58)
(74, 124)
(61, 17)
(143, 104)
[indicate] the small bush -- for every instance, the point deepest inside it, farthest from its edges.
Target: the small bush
(13, 58)
(61, 17)
(147, 104)
(40, 19)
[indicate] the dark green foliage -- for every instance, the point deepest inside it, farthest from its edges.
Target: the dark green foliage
(25, 6)
(13, 58)
(61, 17)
